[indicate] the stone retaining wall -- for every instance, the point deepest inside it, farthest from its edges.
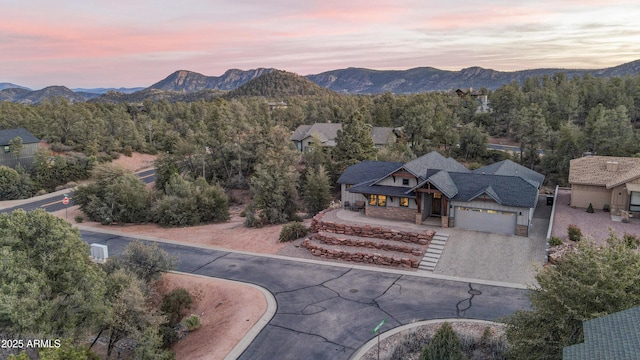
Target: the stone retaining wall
(391, 212)
(330, 240)
(359, 256)
(317, 225)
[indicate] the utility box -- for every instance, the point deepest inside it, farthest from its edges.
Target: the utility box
(550, 200)
(99, 253)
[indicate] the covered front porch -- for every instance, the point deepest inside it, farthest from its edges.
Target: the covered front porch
(433, 206)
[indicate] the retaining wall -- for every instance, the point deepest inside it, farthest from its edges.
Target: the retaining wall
(318, 225)
(360, 257)
(330, 240)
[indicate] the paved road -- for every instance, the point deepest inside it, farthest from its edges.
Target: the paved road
(326, 311)
(511, 148)
(51, 204)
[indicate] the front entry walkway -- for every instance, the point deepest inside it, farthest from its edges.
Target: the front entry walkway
(431, 257)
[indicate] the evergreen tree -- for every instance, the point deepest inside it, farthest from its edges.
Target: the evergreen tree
(354, 142)
(48, 285)
(317, 191)
(274, 183)
(530, 130)
(585, 284)
(444, 345)
(473, 142)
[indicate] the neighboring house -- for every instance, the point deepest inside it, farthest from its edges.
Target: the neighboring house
(499, 198)
(26, 155)
(326, 133)
(612, 337)
(605, 180)
(481, 98)
(277, 105)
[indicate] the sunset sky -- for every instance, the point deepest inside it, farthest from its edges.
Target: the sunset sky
(89, 43)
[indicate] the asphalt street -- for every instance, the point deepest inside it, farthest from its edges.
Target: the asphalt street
(55, 203)
(328, 312)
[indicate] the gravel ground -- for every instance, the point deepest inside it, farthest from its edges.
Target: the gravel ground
(463, 328)
(594, 226)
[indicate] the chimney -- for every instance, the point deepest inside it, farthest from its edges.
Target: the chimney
(612, 166)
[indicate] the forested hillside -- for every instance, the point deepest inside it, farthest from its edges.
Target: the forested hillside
(564, 116)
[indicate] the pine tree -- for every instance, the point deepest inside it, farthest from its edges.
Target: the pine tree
(354, 142)
(444, 345)
(317, 191)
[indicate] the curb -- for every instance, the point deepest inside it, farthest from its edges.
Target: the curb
(7, 204)
(248, 338)
(312, 261)
(373, 342)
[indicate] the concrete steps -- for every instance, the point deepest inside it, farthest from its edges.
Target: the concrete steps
(431, 257)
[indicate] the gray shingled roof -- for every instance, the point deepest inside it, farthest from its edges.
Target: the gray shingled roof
(327, 133)
(510, 168)
(433, 160)
(367, 170)
(518, 190)
(442, 181)
(506, 190)
(9, 134)
(368, 188)
(381, 135)
(300, 133)
(612, 337)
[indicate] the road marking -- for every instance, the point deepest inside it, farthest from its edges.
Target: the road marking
(51, 203)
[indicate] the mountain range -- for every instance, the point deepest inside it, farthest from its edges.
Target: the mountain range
(184, 85)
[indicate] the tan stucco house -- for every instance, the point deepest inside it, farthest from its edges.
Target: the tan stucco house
(498, 198)
(605, 180)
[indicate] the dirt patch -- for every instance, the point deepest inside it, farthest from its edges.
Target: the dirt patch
(136, 161)
(227, 311)
(232, 235)
(503, 141)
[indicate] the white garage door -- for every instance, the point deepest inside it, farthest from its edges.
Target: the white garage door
(495, 221)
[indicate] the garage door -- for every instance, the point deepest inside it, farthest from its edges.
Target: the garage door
(495, 221)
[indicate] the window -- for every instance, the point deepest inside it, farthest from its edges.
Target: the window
(634, 203)
(492, 212)
(382, 200)
(7, 149)
(348, 186)
(405, 182)
(404, 202)
(378, 200)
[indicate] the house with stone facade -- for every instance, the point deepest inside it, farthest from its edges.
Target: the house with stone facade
(499, 198)
(606, 181)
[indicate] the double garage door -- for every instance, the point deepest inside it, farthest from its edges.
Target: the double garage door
(495, 221)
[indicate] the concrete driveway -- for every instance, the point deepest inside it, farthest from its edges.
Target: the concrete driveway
(496, 257)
